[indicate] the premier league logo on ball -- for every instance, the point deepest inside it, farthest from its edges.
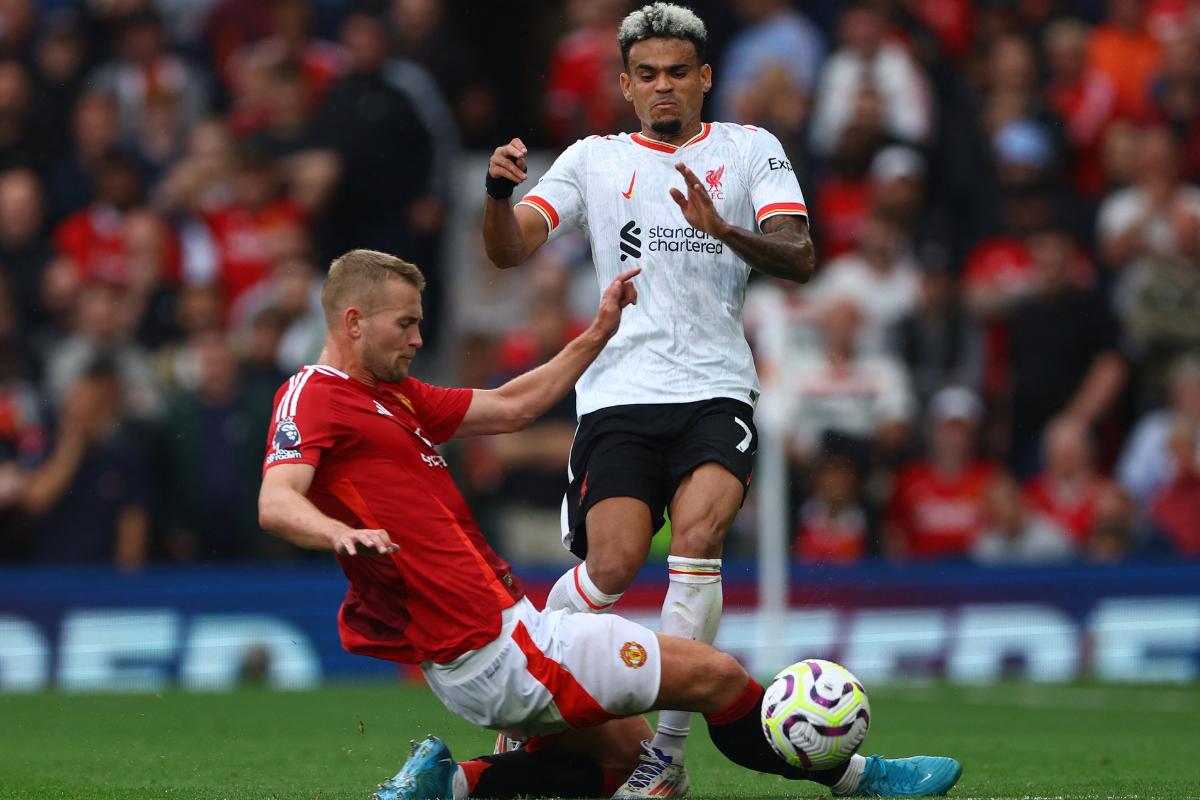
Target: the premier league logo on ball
(287, 435)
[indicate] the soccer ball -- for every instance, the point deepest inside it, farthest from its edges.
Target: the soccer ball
(815, 714)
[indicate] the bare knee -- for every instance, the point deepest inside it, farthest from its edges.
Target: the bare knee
(700, 537)
(730, 679)
(612, 571)
(618, 533)
(697, 676)
(721, 680)
(702, 511)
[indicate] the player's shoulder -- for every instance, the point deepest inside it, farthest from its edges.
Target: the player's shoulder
(410, 390)
(595, 151)
(607, 142)
(750, 134)
(406, 390)
(315, 382)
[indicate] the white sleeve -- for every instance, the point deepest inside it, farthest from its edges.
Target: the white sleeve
(1116, 214)
(895, 402)
(1139, 469)
(833, 103)
(773, 185)
(201, 261)
(906, 96)
(560, 194)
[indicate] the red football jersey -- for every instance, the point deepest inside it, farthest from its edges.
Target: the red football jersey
(94, 238)
(939, 515)
(245, 240)
(442, 592)
(823, 538)
(1071, 510)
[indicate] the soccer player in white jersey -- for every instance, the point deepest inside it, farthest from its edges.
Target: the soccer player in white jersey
(666, 411)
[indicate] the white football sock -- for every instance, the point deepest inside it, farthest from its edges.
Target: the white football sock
(459, 784)
(575, 591)
(849, 781)
(692, 609)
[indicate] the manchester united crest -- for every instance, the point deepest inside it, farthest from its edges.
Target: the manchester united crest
(633, 654)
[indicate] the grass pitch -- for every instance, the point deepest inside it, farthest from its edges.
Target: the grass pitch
(1089, 741)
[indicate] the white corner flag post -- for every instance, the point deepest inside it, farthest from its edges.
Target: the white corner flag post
(772, 651)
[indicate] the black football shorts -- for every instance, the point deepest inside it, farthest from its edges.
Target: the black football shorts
(644, 451)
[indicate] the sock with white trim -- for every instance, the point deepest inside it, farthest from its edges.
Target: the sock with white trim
(848, 783)
(692, 609)
(575, 591)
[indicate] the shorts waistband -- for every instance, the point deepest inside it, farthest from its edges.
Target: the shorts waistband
(472, 662)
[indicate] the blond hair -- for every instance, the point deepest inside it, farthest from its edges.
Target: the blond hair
(356, 277)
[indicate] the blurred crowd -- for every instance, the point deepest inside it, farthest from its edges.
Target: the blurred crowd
(998, 360)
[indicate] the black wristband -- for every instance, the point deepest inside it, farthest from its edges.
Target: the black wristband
(499, 188)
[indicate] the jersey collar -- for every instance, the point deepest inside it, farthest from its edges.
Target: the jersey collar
(664, 147)
(325, 369)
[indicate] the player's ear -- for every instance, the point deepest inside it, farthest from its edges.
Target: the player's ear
(624, 79)
(705, 77)
(352, 319)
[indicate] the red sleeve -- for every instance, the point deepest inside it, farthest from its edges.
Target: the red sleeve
(293, 212)
(975, 270)
(172, 268)
(71, 237)
(439, 410)
(898, 513)
(303, 422)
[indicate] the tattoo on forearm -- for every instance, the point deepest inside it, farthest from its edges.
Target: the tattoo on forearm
(784, 249)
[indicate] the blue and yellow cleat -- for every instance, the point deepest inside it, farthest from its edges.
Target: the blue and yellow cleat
(918, 776)
(427, 775)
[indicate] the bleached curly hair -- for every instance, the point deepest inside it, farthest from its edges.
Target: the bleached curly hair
(662, 20)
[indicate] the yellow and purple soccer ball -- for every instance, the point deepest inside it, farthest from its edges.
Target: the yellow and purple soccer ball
(815, 714)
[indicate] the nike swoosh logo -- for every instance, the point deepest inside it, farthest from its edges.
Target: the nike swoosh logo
(628, 195)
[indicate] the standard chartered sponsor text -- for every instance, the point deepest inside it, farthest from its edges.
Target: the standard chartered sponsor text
(682, 240)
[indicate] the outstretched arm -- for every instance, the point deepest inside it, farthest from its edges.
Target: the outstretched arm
(510, 236)
(784, 249)
(284, 511)
(526, 397)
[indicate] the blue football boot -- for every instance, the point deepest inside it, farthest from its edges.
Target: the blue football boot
(427, 775)
(918, 776)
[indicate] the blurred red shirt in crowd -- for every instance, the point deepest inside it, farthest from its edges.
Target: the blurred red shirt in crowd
(832, 526)
(245, 240)
(1068, 487)
(103, 240)
(939, 514)
(937, 504)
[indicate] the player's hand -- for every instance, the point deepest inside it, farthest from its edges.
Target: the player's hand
(364, 543)
(697, 206)
(508, 162)
(618, 294)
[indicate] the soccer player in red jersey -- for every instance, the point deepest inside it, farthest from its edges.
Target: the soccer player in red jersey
(352, 467)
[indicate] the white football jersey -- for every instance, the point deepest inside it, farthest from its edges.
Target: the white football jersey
(683, 342)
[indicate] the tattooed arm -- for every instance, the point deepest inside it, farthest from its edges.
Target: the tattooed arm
(784, 249)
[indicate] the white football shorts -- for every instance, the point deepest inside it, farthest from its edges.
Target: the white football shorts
(549, 671)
